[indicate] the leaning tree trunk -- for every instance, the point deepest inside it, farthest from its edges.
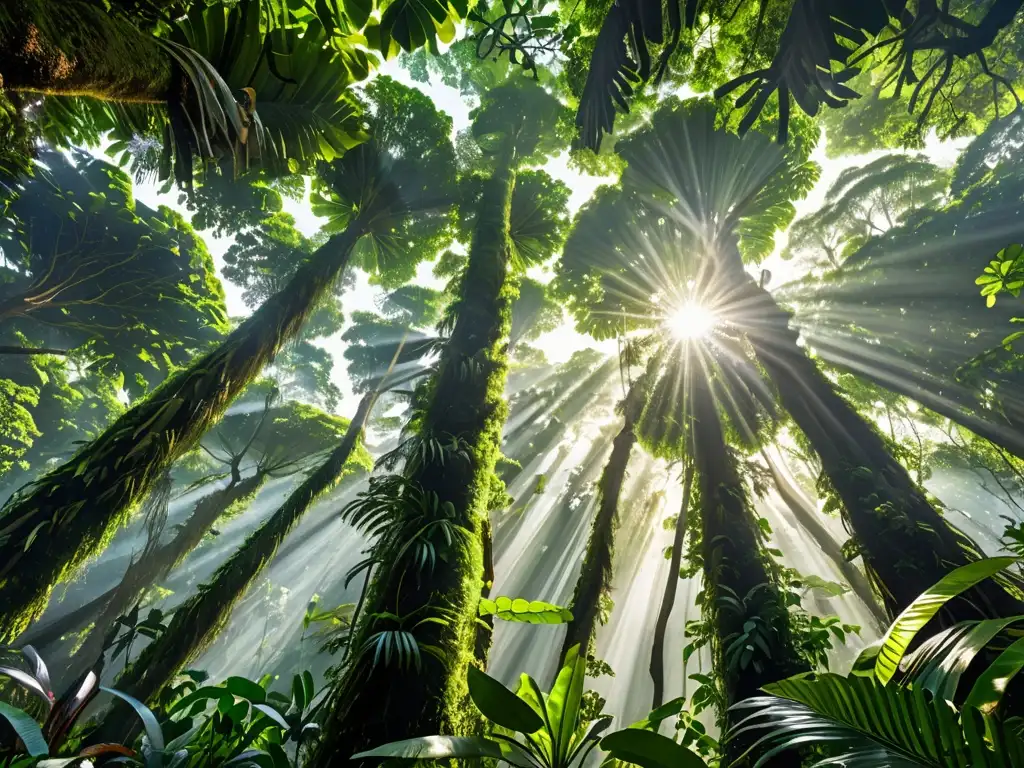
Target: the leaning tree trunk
(906, 544)
(595, 579)
(74, 48)
(156, 565)
(739, 584)
(465, 405)
(807, 516)
(668, 599)
(197, 621)
(957, 403)
(58, 522)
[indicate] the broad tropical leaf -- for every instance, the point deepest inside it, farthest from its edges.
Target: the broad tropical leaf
(435, 748)
(875, 725)
(27, 728)
(649, 750)
(411, 24)
(906, 626)
(989, 688)
(563, 702)
(499, 705)
(525, 611)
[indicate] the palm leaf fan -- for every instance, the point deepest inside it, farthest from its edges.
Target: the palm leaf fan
(712, 183)
(621, 60)
(815, 35)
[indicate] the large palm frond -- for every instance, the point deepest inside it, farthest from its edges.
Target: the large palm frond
(877, 725)
(621, 61)
(897, 709)
(299, 75)
(714, 183)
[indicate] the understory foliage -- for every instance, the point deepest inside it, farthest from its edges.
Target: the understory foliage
(759, 260)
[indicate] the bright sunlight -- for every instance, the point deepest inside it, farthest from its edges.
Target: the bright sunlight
(691, 321)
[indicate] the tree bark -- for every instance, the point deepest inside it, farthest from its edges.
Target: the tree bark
(595, 579)
(466, 404)
(198, 620)
(906, 544)
(74, 48)
(55, 524)
(807, 517)
(668, 599)
(736, 569)
(153, 567)
(922, 389)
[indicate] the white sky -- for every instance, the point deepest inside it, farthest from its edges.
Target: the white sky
(558, 345)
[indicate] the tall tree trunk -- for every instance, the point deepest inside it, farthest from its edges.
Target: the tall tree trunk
(595, 579)
(906, 544)
(738, 581)
(807, 516)
(197, 621)
(374, 703)
(75, 48)
(53, 525)
(153, 567)
(956, 402)
(668, 599)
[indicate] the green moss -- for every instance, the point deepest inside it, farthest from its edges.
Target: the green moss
(465, 407)
(77, 48)
(200, 618)
(51, 537)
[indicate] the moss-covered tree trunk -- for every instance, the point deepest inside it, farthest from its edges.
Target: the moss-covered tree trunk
(906, 544)
(595, 579)
(668, 599)
(808, 518)
(741, 592)
(76, 48)
(377, 701)
(198, 620)
(55, 524)
(154, 566)
(1001, 425)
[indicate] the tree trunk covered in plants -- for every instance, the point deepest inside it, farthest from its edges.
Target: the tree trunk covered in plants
(957, 403)
(807, 516)
(668, 599)
(595, 579)
(153, 567)
(69, 515)
(198, 620)
(75, 48)
(466, 404)
(739, 585)
(906, 544)
(485, 631)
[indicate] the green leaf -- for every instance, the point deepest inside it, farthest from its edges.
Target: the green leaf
(273, 714)
(27, 728)
(938, 664)
(524, 611)
(875, 724)
(500, 705)
(436, 747)
(153, 731)
(246, 689)
(989, 688)
(903, 630)
(649, 750)
(563, 704)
